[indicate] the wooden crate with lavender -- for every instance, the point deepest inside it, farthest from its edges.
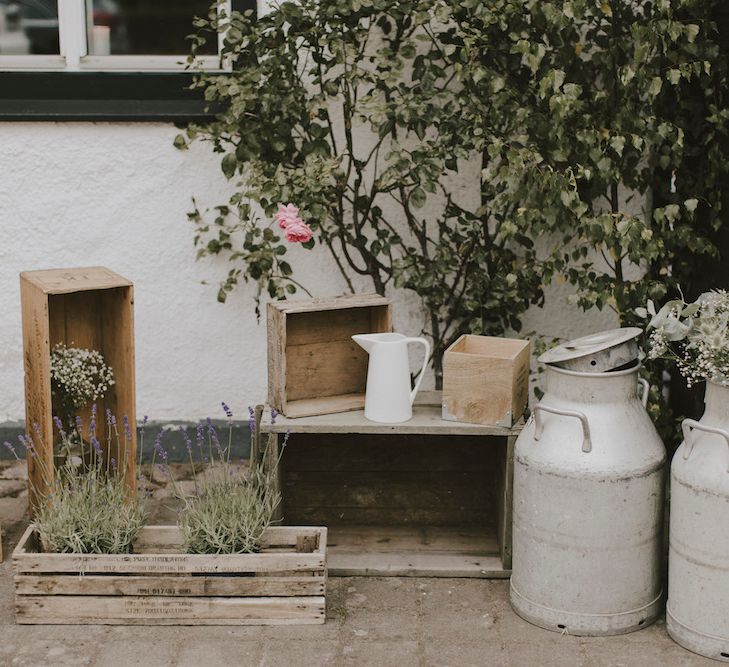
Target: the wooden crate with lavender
(158, 584)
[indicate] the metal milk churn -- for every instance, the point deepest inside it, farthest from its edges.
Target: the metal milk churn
(697, 614)
(588, 494)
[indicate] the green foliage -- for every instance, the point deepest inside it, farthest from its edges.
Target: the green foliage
(360, 114)
(232, 505)
(89, 512)
(589, 82)
(229, 513)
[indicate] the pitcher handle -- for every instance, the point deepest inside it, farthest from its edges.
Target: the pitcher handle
(643, 383)
(688, 424)
(426, 345)
(539, 425)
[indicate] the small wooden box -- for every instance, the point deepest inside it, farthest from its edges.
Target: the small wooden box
(486, 380)
(90, 308)
(159, 584)
(314, 366)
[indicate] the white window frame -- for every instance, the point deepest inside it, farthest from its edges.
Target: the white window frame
(73, 21)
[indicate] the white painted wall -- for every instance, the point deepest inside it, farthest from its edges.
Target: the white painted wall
(114, 194)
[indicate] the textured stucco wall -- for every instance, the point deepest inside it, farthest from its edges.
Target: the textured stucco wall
(81, 194)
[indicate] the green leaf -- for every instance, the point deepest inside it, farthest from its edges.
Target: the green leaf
(229, 164)
(418, 197)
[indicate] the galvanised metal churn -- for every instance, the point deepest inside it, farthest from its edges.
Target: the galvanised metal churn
(588, 495)
(697, 614)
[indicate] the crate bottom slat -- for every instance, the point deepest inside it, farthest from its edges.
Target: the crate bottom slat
(140, 610)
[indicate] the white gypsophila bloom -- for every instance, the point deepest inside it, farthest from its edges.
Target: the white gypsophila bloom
(79, 375)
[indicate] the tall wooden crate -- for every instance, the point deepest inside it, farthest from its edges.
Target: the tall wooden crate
(89, 308)
(314, 366)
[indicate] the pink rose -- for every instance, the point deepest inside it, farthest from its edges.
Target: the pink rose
(286, 215)
(298, 231)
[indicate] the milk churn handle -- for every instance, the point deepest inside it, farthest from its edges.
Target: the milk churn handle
(689, 424)
(646, 390)
(539, 425)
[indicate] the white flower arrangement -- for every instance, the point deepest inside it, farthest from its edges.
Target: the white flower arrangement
(79, 376)
(695, 335)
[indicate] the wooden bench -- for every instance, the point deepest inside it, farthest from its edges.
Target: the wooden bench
(423, 498)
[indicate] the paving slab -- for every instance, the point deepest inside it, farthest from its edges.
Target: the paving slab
(382, 622)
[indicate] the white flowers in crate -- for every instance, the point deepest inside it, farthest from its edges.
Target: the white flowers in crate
(79, 376)
(695, 335)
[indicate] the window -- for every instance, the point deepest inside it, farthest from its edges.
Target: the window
(101, 59)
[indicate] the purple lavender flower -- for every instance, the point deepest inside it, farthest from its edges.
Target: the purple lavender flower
(27, 442)
(79, 424)
(10, 448)
(92, 425)
(96, 445)
(127, 428)
(251, 419)
(214, 437)
(113, 420)
(186, 438)
(274, 414)
(145, 419)
(108, 416)
(36, 428)
(200, 435)
(158, 446)
(227, 410)
(113, 465)
(58, 423)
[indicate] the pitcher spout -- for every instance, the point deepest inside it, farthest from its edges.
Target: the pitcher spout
(368, 341)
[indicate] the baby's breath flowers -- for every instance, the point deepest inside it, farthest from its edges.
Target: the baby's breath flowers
(79, 376)
(695, 335)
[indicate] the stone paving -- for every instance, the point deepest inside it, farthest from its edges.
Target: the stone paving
(370, 621)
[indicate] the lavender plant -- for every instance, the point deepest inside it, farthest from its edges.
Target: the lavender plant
(232, 505)
(694, 335)
(89, 508)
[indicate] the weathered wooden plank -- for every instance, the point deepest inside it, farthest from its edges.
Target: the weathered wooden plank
(331, 303)
(464, 540)
(169, 536)
(324, 405)
(75, 609)
(415, 565)
(62, 281)
(427, 419)
(326, 326)
(52, 584)
(330, 368)
(389, 454)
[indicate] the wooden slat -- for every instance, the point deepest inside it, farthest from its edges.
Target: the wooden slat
(37, 366)
(390, 453)
(323, 369)
(63, 281)
(431, 551)
(174, 610)
(330, 303)
(326, 326)
(168, 586)
(306, 407)
(415, 565)
(387, 516)
(151, 537)
(426, 420)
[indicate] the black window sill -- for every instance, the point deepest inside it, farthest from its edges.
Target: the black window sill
(99, 96)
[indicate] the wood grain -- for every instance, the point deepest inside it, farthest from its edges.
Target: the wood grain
(159, 584)
(314, 367)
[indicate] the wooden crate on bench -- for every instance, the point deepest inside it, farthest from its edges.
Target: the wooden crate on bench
(314, 366)
(158, 584)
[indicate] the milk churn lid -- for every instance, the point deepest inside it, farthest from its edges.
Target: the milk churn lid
(596, 353)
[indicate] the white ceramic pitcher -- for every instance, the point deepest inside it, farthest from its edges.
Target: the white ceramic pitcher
(389, 398)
